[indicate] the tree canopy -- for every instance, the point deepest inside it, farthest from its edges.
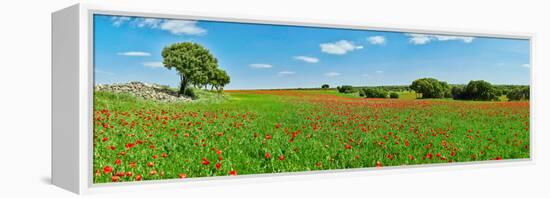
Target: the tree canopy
(476, 90)
(518, 94)
(431, 88)
(195, 65)
(373, 93)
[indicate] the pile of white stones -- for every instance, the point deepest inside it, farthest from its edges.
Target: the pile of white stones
(144, 90)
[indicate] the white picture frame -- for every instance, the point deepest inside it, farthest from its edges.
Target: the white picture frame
(72, 98)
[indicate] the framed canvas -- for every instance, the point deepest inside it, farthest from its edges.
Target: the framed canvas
(147, 99)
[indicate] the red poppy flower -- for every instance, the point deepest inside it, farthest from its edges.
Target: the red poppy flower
(164, 155)
(205, 161)
(281, 157)
(115, 178)
(268, 137)
(155, 156)
(218, 166)
(182, 175)
(104, 139)
(347, 146)
(118, 161)
(138, 177)
(107, 169)
(153, 172)
(378, 164)
(233, 173)
(267, 155)
(218, 152)
(130, 145)
(129, 174)
(150, 164)
(429, 155)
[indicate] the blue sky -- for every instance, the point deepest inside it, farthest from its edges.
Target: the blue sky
(260, 56)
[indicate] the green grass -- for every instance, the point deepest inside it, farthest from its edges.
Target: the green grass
(407, 95)
(309, 129)
(331, 92)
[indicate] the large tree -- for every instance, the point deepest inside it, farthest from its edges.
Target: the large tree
(431, 88)
(476, 90)
(191, 61)
(480, 90)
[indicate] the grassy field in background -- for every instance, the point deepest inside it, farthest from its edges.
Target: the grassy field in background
(263, 131)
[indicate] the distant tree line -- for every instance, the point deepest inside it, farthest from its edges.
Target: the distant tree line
(479, 90)
(346, 89)
(374, 92)
(195, 65)
(475, 90)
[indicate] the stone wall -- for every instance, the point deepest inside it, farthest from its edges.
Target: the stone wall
(144, 91)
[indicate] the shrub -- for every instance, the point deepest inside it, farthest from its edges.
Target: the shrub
(345, 89)
(191, 92)
(457, 92)
(394, 95)
(518, 94)
(375, 93)
(325, 86)
(362, 92)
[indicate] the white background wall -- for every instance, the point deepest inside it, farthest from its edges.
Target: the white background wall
(25, 97)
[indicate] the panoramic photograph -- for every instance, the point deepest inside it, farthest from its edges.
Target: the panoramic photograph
(178, 99)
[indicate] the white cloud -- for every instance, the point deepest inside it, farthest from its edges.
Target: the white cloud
(418, 39)
(339, 47)
(119, 20)
(307, 59)
(153, 64)
(134, 53)
(148, 22)
(379, 72)
(180, 27)
(421, 39)
(450, 38)
(261, 66)
(526, 65)
(176, 27)
(332, 74)
(377, 40)
(286, 73)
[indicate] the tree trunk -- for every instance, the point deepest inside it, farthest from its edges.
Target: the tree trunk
(183, 85)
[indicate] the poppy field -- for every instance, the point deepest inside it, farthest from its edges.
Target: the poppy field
(275, 131)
